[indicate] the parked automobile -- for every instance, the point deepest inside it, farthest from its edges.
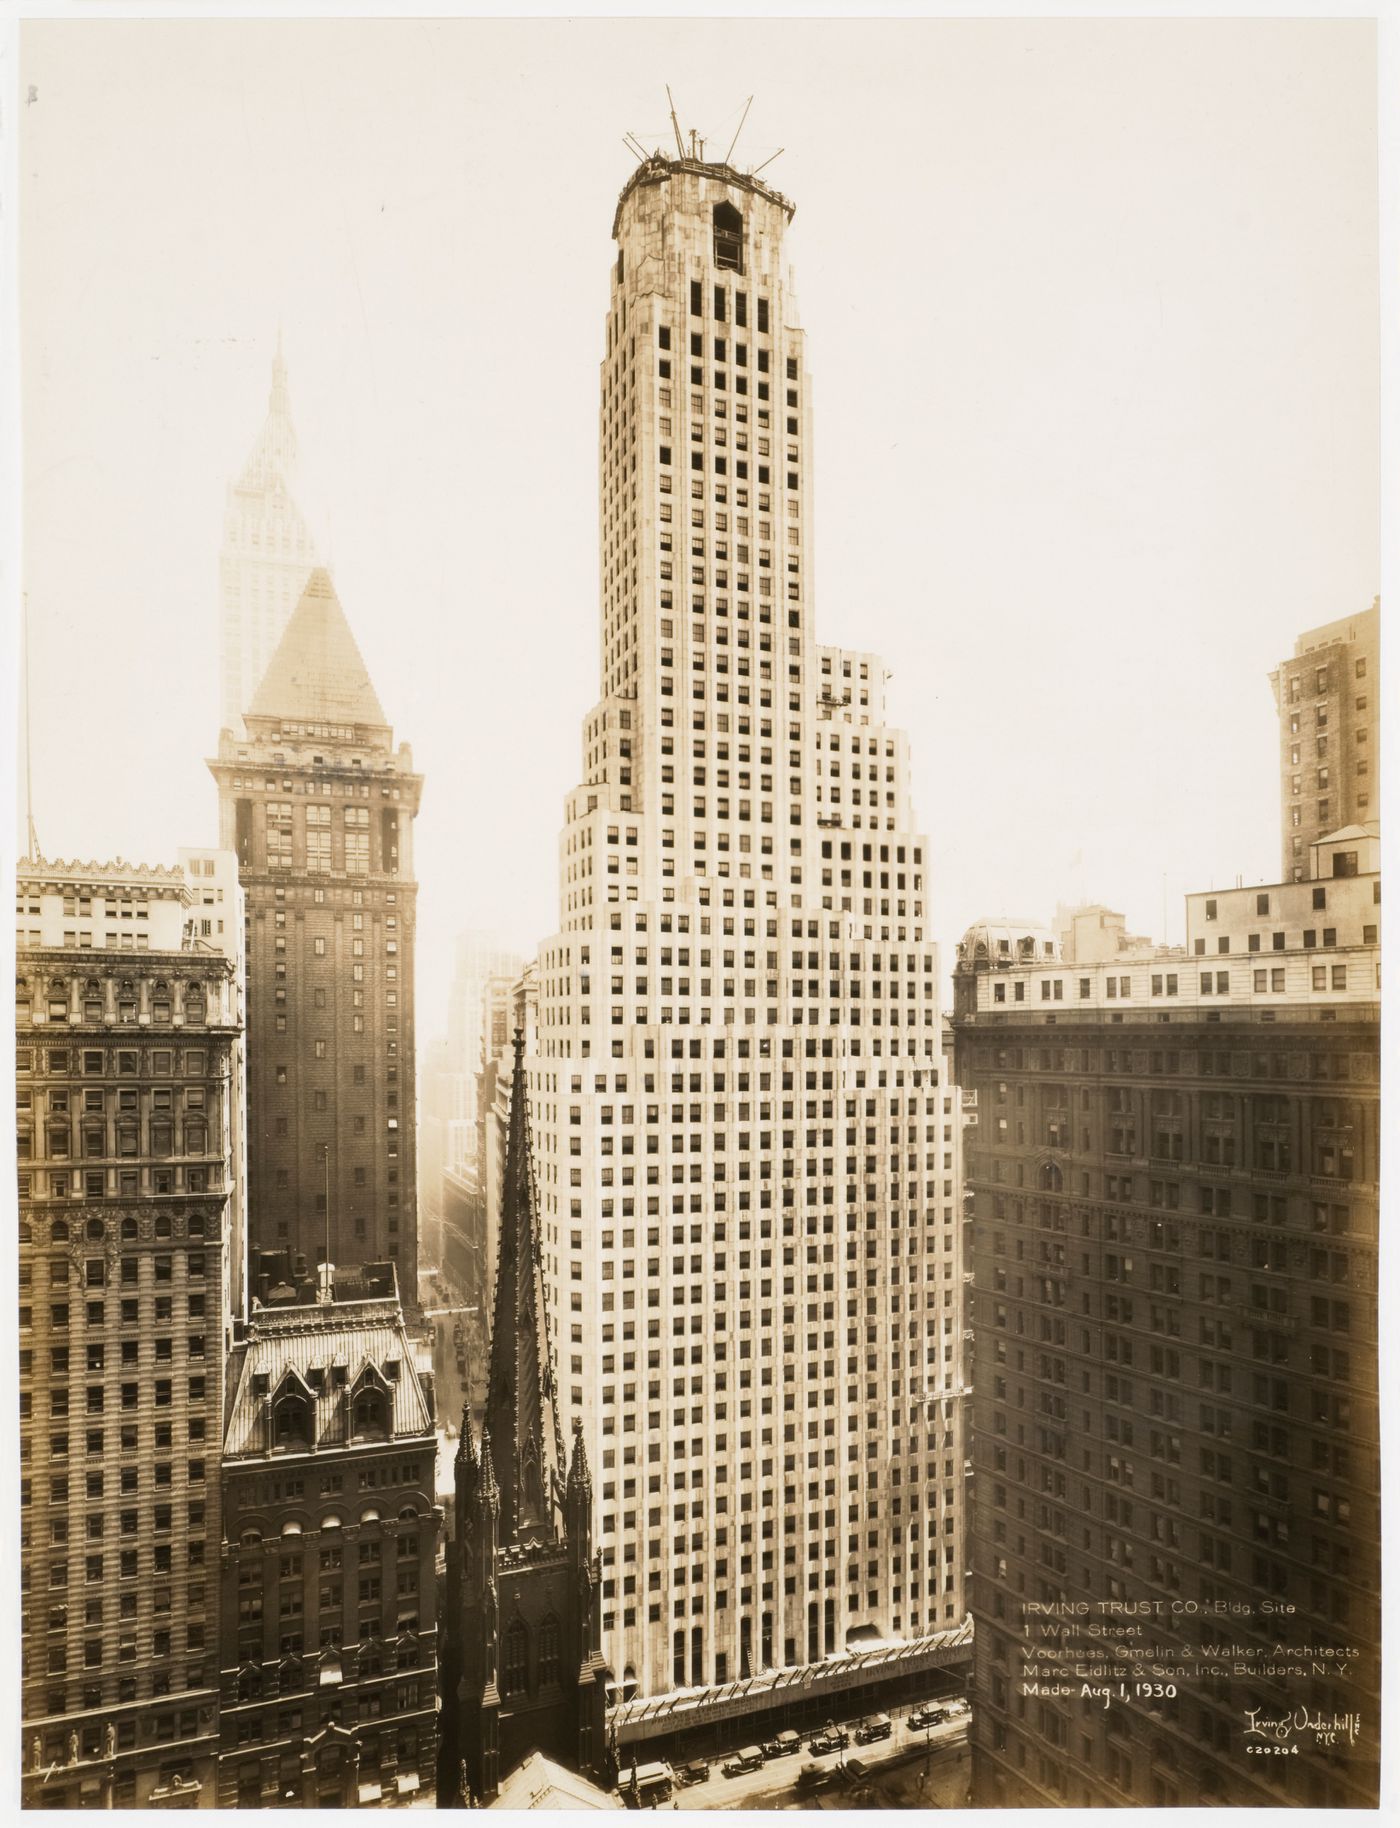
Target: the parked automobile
(929, 1714)
(748, 1758)
(856, 1771)
(830, 1739)
(693, 1773)
(812, 1777)
(645, 1786)
(958, 1706)
(878, 1726)
(782, 1745)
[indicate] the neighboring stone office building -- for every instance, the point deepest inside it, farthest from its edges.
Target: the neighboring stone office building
(479, 960)
(331, 1529)
(749, 1212)
(510, 1006)
(1329, 715)
(318, 806)
(128, 1030)
(217, 919)
(266, 558)
(1175, 1177)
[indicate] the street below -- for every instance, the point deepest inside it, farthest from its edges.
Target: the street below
(916, 1767)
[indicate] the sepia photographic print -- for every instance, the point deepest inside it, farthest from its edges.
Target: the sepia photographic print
(696, 720)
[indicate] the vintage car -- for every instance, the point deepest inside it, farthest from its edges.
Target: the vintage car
(645, 1786)
(782, 1745)
(830, 1739)
(878, 1726)
(747, 1758)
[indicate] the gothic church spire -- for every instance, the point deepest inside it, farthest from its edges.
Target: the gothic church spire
(522, 1414)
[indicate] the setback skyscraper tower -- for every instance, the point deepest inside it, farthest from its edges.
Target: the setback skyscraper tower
(742, 1112)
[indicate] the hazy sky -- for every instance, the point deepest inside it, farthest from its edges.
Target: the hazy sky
(1092, 325)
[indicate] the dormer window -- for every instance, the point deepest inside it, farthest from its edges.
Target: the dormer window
(370, 1414)
(291, 1422)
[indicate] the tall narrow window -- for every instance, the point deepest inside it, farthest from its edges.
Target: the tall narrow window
(514, 1655)
(729, 238)
(549, 1650)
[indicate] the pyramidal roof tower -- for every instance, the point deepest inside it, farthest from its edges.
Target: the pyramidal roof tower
(267, 554)
(317, 670)
(318, 806)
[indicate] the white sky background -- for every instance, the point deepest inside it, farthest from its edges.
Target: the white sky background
(1092, 324)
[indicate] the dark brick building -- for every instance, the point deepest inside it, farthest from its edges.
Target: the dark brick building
(1174, 1178)
(328, 1633)
(319, 807)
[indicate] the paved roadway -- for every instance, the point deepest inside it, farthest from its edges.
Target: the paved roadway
(774, 1786)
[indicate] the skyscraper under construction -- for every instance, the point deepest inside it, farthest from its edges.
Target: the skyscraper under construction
(742, 1113)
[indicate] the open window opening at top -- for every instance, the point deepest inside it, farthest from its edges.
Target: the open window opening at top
(729, 238)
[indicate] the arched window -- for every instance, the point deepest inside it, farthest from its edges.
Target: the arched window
(549, 1650)
(515, 1657)
(291, 1422)
(96, 1230)
(59, 1231)
(370, 1414)
(128, 1230)
(1051, 1180)
(194, 1003)
(250, 1539)
(729, 238)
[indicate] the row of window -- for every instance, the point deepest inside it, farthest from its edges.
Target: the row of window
(95, 1062)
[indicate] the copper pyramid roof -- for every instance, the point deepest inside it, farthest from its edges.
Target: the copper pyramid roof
(317, 670)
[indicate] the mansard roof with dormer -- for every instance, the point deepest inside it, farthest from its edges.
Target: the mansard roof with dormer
(324, 1355)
